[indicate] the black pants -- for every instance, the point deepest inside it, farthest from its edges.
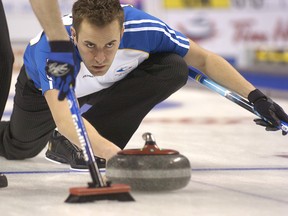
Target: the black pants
(31, 122)
(6, 60)
(116, 112)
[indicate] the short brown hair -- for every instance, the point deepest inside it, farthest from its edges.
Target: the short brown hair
(97, 12)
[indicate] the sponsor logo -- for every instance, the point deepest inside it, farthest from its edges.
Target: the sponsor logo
(271, 55)
(80, 136)
(123, 69)
(88, 76)
(56, 69)
(198, 28)
(172, 4)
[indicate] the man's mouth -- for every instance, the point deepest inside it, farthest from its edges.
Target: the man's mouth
(98, 67)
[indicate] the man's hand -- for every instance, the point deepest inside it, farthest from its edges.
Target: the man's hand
(61, 66)
(270, 110)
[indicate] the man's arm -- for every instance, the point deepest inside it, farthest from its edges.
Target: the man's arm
(218, 69)
(62, 50)
(49, 16)
(63, 120)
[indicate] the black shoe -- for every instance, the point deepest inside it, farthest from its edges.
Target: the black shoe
(61, 150)
(3, 181)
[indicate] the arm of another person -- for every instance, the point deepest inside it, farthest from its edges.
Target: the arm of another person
(63, 120)
(49, 16)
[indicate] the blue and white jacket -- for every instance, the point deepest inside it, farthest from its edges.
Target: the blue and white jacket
(143, 34)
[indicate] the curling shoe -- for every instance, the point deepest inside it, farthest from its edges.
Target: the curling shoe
(61, 150)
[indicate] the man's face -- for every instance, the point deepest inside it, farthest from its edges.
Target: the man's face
(98, 45)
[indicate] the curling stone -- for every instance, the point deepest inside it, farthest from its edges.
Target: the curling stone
(149, 168)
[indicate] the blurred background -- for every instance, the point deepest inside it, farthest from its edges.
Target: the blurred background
(238, 168)
(251, 34)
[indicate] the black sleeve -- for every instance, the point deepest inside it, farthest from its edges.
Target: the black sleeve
(7, 60)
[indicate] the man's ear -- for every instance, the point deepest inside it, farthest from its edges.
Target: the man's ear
(122, 32)
(73, 35)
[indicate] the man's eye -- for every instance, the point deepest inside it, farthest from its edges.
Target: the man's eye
(90, 45)
(110, 45)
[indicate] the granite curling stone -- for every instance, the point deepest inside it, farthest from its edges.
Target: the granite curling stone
(149, 168)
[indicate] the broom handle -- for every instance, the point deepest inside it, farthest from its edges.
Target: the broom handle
(84, 140)
(232, 96)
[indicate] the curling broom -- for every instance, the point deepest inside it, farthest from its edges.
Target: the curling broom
(232, 96)
(97, 189)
